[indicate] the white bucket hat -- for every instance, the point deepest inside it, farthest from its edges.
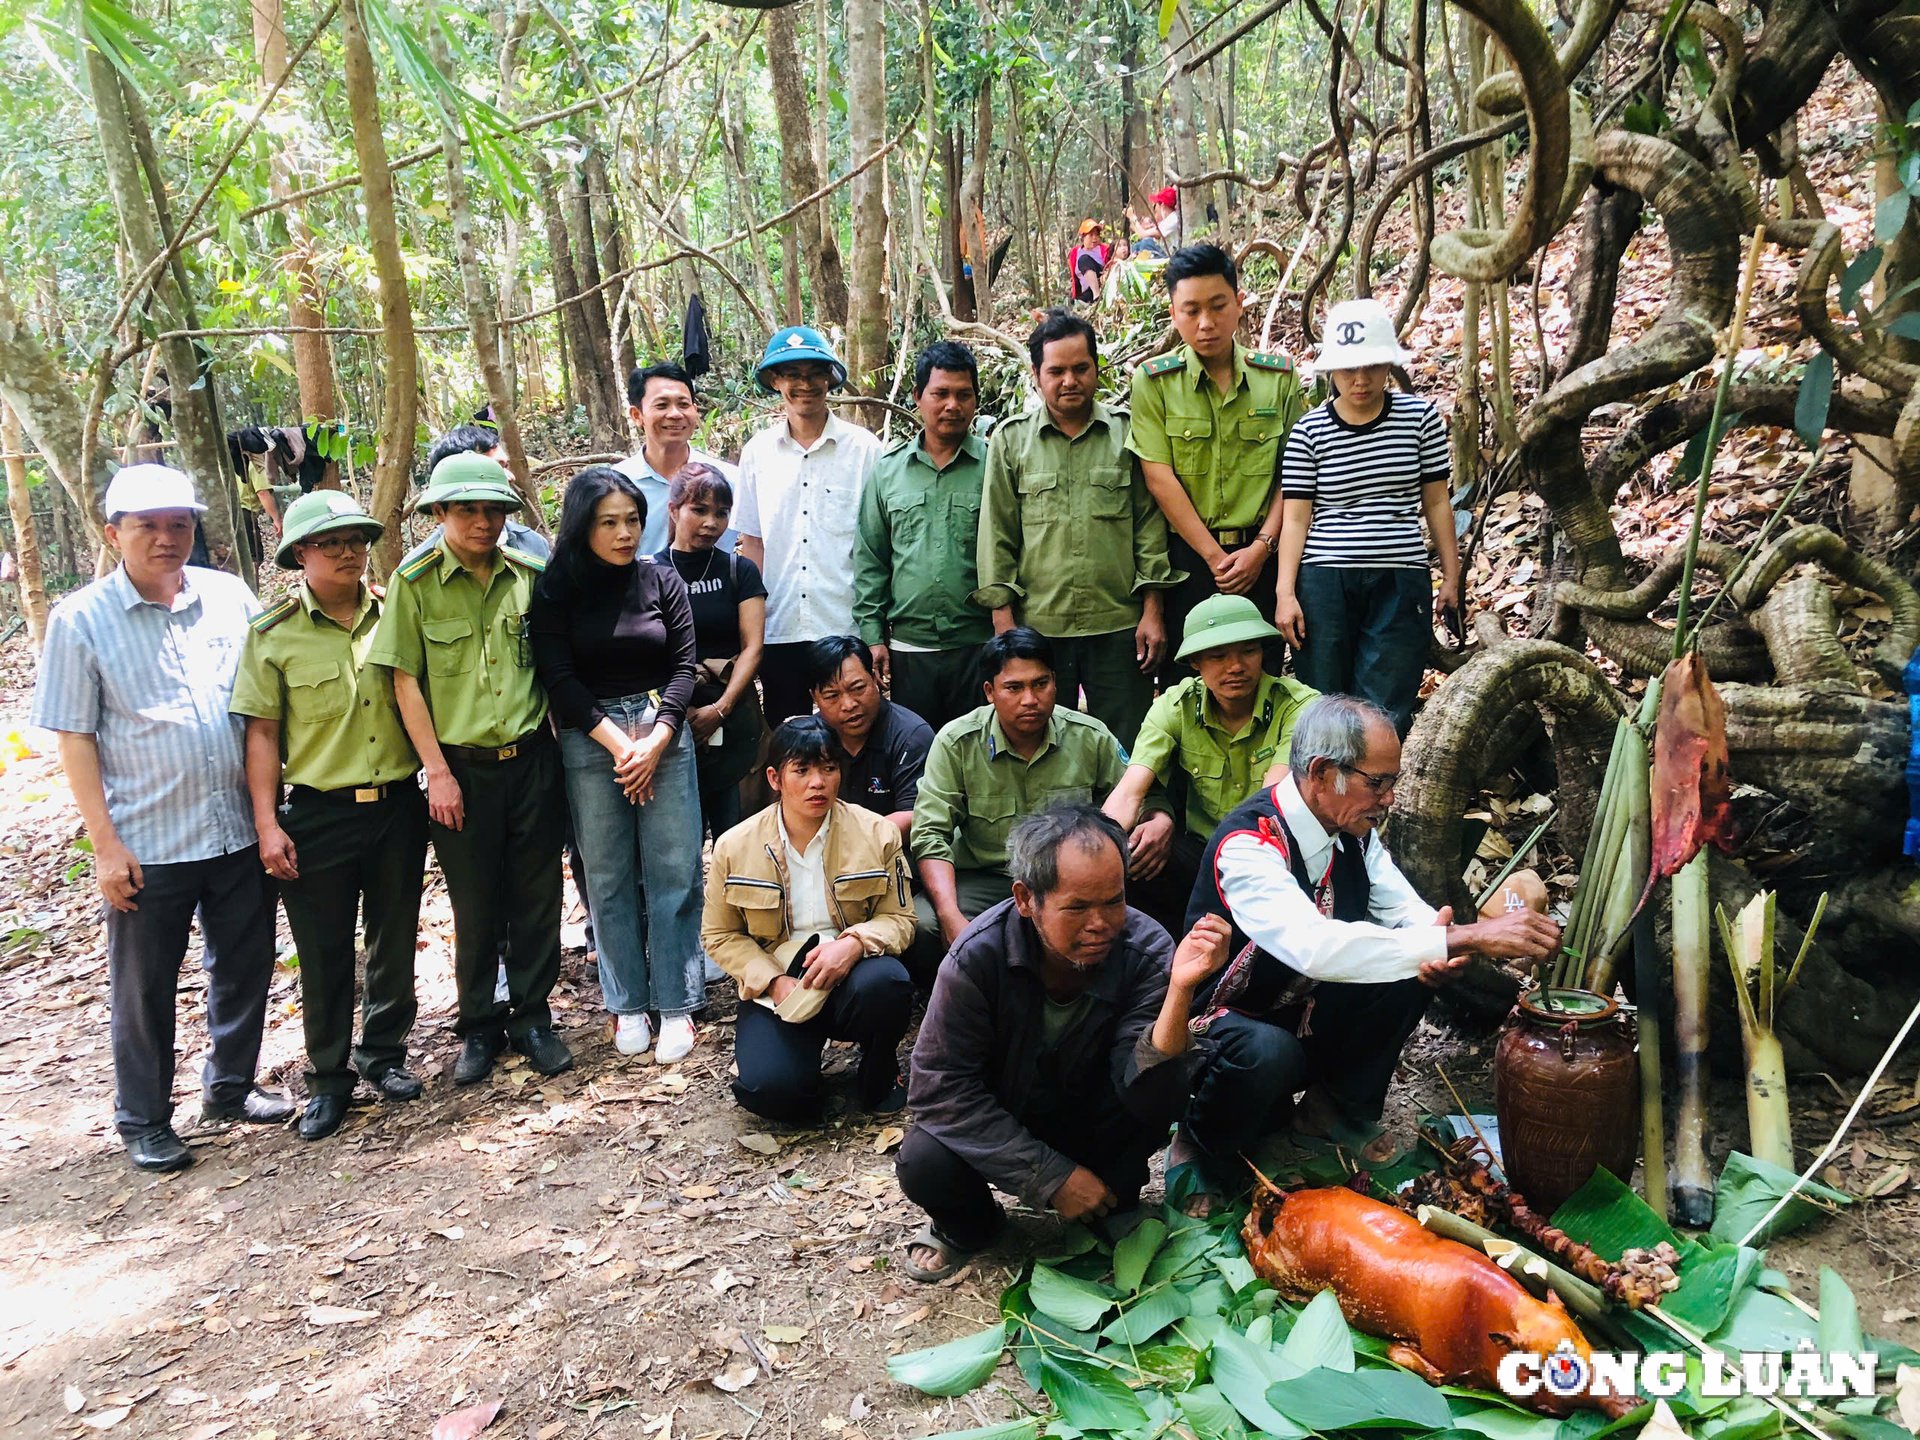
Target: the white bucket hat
(141, 488)
(1359, 333)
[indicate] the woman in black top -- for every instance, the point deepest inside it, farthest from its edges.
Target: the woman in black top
(730, 625)
(613, 643)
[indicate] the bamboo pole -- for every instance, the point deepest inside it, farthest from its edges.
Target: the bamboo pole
(1691, 1185)
(1585, 1300)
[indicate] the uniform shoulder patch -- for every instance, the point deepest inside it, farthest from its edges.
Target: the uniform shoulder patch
(1269, 360)
(533, 563)
(267, 619)
(420, 565)
(1164, 364)
(379, 592)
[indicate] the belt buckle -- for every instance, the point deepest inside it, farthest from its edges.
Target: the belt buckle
(367, 794)
(507, 752)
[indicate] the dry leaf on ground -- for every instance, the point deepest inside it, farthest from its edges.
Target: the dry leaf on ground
(339, 1315)
(737, 1376)
(760, 1144)
(466, 1423)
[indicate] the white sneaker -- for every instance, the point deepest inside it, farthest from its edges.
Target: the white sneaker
(676, 1040)
(632, 1035)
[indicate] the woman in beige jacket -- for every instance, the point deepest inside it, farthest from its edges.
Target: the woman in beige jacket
(808, 908)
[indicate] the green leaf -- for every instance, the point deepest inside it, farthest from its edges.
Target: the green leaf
(1181, 1366)
(1236, 1270)
(1145, 1318)
(1007, 1430)
(1088, 1396)
(1644, 117)
(1243, 1371)
(1748, 1189)
(1839, 1330)
(1133, 1254)
(1168, 9)
(1608, 1217)
(1210, 1413)
(1080, 1303)
(1810, 406)
(1858, 272)
(1319, 1338)
(1499, 1423)
(1325, 1400)
(1889, 215)
(1708, 1285)
(1907, 326)
(1184, 1249)
(953, 1368)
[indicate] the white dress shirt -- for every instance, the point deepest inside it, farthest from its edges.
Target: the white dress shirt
(807, 884)
(1271, 909)
(803, 503)
(654, 536)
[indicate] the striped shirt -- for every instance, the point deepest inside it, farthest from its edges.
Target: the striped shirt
(1366, 481)
(153, 686)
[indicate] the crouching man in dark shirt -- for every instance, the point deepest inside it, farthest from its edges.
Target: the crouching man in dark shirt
(1053, 1057)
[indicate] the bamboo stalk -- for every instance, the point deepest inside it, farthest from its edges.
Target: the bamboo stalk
(1585, 1300)
(1691, 1185)
(1513, 860)
(1653, 1126)
(1629, 879)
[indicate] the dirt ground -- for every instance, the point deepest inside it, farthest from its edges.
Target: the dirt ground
(619, 1251)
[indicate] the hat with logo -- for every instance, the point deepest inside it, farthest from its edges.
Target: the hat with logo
(141, 488)
(1222, 620)
(322, 512)
(468, 476)
(796, 345)
(1359, 333)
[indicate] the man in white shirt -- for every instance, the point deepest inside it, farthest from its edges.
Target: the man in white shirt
(661, 404)
(1334, 955)
(800, 484)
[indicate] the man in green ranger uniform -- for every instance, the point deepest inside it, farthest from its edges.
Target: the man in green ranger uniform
(455, 636)
(352, 827)
(1208, 422)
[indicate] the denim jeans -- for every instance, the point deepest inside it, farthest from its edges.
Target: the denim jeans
(627, 847)
(1369, 630)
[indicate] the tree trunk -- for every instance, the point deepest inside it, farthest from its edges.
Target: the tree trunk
(393, 460)
(578, 370)
(608, 431)
(746, 193)
(42, 397)
(799, 175)
(26, 542)
(867, 320)
(1184, 104)
(973, 190)
(613, 260)
(312, 354)
(1876, 490)
(473, 284)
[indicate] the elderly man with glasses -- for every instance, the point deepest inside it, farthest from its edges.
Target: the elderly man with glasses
(1335, 957)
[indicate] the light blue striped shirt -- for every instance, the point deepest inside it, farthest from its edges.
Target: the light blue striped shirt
(152, 686)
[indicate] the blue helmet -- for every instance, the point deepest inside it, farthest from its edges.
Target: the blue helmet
(797, 343)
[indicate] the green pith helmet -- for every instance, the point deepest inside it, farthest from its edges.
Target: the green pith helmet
(467, 476)
(795, 345)
(1222, 620)
(322, 512)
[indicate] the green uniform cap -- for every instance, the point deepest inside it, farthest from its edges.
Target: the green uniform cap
(321, 512)
(1222, 620)
(467, 476)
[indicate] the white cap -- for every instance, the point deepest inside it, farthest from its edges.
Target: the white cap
(1359, 333)
(140, 488)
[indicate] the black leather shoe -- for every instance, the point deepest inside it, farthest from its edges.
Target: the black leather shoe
(477, 1054)
(158, 1150)
(259, 1107)
(397, 1084)
(890, 1103)
(324, 1115)
(545, 1051)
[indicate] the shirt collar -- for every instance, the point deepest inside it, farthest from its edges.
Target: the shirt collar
(970, 449)
(312, 606)
(450, 565)
(128, 597)
(835, 431)
(998, 744)
(1315, 843)
(1023, 953)
(1102, 416)
(1196, 369)
(1264, 699)
(816, 850)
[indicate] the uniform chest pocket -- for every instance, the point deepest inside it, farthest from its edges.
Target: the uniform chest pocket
(1110, 494)
(317, 690)
(1191, 439)
(1067, 795)
(859, 893)
(449, 646)
(1042, 499)
(989, 820)
(1202, 761)
(911, 520)
(1259, 446)
(515, 639)
(761, 903)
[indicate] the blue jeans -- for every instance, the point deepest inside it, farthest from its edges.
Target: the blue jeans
(628, 846)
(1369, 629)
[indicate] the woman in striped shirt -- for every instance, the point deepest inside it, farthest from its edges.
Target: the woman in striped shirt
(1356, 595)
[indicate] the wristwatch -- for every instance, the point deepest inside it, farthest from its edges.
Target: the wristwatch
(1271, 542)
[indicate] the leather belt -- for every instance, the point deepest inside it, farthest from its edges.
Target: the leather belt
(494, 754)
(1234, 537)
(351, 794)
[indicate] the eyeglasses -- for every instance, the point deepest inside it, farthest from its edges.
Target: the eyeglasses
(1379, 784)
(334, 546)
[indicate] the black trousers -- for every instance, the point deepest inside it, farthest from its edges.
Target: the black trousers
(783, 681)
(1165, 896)
(937, 685)
(144, 951)
(1118, 691)
(354, 858)
(779, 1062)
(503, 877)
(1250, 1070)
(1198, 586)
(1115, 1145)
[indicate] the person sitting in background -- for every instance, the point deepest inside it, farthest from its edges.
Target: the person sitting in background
(480, 440)
(1159, 235)
(1211, 741)
(1087, 262)
(666, 412)
(613, 641)
(1055, 1051)
(808, 908)
(883, 745)
(729, 602)
(1019, 751)
(1336, 957)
